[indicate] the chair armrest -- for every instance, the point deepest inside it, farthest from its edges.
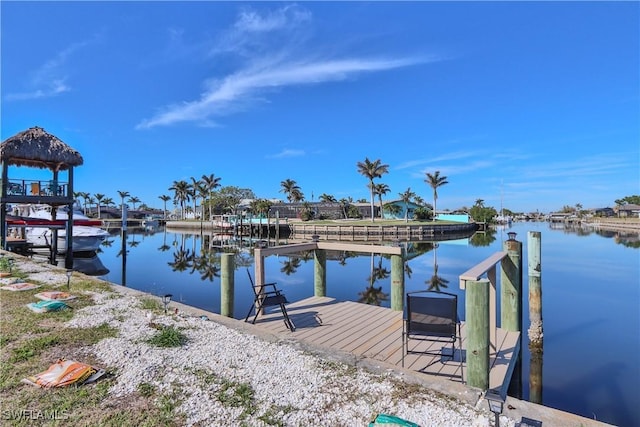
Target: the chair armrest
(273, 285)
(262, 289)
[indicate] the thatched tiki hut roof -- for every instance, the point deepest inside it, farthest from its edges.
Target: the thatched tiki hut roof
(35, 147)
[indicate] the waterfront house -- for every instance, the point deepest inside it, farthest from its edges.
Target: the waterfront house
(629, 211)
(398, 209)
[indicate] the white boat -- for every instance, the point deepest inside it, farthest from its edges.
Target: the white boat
(150, 221)
(86, 238)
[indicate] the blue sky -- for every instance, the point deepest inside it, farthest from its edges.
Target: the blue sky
(533, 105)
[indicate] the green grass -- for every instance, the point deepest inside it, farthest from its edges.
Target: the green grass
(5, 263)
(146, 389)
(30, 342)
(33, 347)
(168, 336)
(148, 303)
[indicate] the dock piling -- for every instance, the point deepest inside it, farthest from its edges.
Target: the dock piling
(534, 262)
(511, 285)
(227, 284)
(477, 324)
(320, 273)
(397, 282)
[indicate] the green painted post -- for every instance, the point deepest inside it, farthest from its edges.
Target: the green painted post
(320, 273)
(477, 325)
(534, 262)
(227, 270)
(397, 283)
(511, 286)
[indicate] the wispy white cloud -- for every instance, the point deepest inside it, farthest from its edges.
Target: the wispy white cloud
(275, 67)
(50, 79)
(454, 155)
(282, 28)
(53, 88)
(581, 167)
(287, 153)
(251, 21)
(235, 91)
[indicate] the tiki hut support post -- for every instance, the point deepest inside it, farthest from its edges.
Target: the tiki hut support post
(68, 260)
(3, 207)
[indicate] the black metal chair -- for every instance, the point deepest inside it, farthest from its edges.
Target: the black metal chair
(268, 298)
(432, 316)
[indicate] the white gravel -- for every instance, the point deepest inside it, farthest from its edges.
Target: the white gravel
(299, 389)
(212, 376)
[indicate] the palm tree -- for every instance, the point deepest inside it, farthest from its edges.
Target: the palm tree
(210, 183)
(381, 189)
(164, 199)
(194, 192)
(84, 196)
(108, 201)
(290, 188)
(261, 207)
(392, 209)
(181, 194)
(406, 198)
(434, 182)
(77, 195)
(202, 192)
(619, 203)
(344, 204)
(372, 170)
(99, 197)
(123, 194)
(133, 200)
(297, 195)
(327, 198)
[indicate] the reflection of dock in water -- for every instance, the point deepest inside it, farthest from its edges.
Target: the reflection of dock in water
(88, 263)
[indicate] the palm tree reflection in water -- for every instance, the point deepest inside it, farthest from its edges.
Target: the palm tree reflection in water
(290, 266)
(373, 295)
(436, 282)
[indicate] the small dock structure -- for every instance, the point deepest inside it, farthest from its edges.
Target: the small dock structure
(489, 352)
(369, 331)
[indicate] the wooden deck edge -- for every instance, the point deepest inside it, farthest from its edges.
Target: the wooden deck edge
(510, 368)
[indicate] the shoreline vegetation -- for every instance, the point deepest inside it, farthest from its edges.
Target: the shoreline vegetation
(211, 378)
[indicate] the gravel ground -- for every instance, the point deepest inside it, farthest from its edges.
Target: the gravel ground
(226, 377)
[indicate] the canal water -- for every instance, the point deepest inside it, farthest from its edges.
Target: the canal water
(590, 297)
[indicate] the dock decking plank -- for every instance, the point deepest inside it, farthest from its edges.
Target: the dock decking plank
(376, 333)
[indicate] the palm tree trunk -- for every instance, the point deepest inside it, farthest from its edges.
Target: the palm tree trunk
(372, 210)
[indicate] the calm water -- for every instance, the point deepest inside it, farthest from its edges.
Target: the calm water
(590, 282)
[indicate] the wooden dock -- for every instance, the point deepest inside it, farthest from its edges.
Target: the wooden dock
(376, 333)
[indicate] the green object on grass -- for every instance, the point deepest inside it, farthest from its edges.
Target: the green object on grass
(382, 419)
(50, 305)
(47, 305)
